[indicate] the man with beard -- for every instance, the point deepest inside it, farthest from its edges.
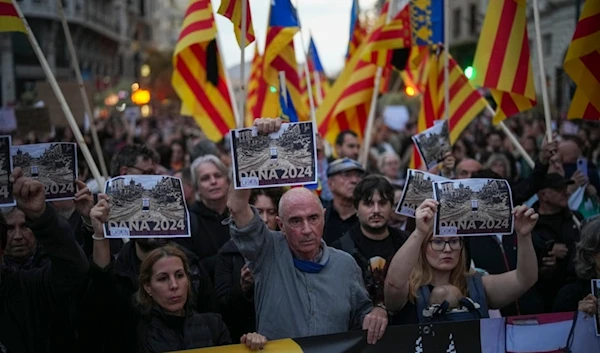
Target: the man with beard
(114, 282)
(373, 242)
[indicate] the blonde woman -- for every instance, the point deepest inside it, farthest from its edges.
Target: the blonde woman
(424, 262)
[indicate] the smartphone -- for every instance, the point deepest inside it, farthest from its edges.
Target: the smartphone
(547, 249)
(582, 165)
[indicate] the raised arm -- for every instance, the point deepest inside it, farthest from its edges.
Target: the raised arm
(69, 267)
(406, 258)
(505, 288)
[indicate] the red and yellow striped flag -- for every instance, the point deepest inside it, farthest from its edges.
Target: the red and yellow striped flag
(280, 54)
(257, 89)
(502, 62)
(232, 9)
(385, 39)
(415, 73)
(9, 18)
(582, 64)
(358, 32)
(346, 106)
(198, 78)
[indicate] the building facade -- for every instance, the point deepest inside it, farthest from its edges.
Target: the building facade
(109, 37)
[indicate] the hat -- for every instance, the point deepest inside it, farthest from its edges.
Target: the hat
(554, 181)
(342, 165)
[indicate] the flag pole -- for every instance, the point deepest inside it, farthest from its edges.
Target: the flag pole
(240, 120)
(364, 158)
(61, 99)
(84, 96)
(446, 60)
(234, 107)
(311, 100)
(318, 88)
(283, 88)
(540, 55)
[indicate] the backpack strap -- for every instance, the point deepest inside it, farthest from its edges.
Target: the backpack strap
(422, 302)
(347, 244)
(477, 294)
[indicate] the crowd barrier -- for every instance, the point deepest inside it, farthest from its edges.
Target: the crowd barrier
(547, 333)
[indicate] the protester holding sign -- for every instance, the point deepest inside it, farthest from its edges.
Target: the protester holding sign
(424, 262)
(30, 300)
(303, 287)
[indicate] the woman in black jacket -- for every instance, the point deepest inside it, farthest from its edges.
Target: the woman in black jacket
(169, 323)
(578, 295)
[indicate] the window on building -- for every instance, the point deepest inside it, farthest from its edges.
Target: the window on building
(473, 19)
(456, 22)
(547, 43)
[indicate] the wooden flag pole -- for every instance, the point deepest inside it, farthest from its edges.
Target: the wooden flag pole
(84, 96)
(540, 55)
(364, 158)
(318, 87)
(61, 98)
(234, 107)
(240, 118)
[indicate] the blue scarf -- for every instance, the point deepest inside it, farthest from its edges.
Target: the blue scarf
(308, 266)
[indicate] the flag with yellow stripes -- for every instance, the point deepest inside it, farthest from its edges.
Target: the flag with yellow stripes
(502, 61)
(254, 100)
(9, 18)
(280, 54)
(358, 31)
(232, 9)
(582, 64)
(198, 77)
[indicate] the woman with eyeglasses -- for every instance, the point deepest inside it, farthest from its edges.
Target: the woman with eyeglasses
(425, 262)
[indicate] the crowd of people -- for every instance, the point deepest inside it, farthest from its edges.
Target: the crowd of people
(274, 263)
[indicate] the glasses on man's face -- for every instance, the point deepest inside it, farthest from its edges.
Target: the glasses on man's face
(143, 171)
(439, 244)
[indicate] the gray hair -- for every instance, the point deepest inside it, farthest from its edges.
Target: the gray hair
(499, 157)
(384, 156)
(586, 249)
(209, 158)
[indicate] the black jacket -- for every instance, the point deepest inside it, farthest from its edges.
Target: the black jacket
(568, 297)
(209, 234)
(562, 229)
(30, 301)
(236, 307)
(488, 255)
(159, 332)
(110, 304)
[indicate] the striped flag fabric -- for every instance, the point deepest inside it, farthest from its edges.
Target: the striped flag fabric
(415, 73)
(389, 43)
(358, 31)
(288, 111)
(318, 78)
(232, 9)
(9, 18)
(257, 89)
(198, 78)
(347, 104)
(502, 61)
(280, 54)
(581, 64)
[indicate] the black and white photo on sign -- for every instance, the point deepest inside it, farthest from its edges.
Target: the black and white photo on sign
(53, 164)
(418, 187)
(473, 207)
(433, 143)
(6, 196)
(146, 206)
(286, 157)
(596, 293)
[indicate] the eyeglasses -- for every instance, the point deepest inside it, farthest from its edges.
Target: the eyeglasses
(143, 172)
(440, 245)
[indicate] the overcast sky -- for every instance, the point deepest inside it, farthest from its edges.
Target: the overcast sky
(328, 20)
